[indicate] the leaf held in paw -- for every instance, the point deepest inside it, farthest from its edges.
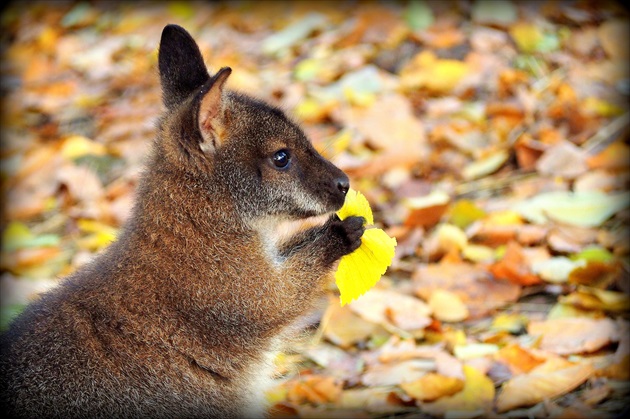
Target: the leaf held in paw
(360, 270)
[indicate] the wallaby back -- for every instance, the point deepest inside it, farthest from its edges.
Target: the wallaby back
(182, 315)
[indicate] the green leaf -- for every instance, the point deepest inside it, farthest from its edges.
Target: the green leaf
(419, 15)
(499, 12)
(292, 34)
(582, 208)
(8, 313)
(593, 254)
(17, 235)
(464, 212)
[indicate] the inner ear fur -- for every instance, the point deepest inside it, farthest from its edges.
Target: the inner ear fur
(212, 111)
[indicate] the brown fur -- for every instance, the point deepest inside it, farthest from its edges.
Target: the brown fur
(181, 316)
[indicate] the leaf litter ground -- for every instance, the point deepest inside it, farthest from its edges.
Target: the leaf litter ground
(490, 138)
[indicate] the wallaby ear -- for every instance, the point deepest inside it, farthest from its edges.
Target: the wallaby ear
(182, 70)
(212, 111)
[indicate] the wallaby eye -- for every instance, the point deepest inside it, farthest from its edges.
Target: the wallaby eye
(281, 159)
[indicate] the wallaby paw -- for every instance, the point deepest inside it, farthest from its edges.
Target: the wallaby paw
(348, 232)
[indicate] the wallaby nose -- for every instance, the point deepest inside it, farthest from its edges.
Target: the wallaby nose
(343, 184)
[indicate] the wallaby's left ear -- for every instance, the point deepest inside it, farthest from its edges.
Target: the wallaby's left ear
(212, 111)
(182, 70)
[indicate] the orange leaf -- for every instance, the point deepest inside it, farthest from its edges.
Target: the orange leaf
(615, 156)
(518, 359)
(314, 389)
(514, 267)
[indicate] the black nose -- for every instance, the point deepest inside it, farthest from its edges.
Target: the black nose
(343, 184)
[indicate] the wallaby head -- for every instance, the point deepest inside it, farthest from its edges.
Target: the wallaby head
(259, 157)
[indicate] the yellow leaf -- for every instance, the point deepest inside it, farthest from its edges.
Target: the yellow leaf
(361, 270)
(429, 71)
(356, 204)
(527, 36)
(477, 395)
(504, 218)
(464, 212)
(15, 234)
(509, 322)
(99, 235)
(77, 146)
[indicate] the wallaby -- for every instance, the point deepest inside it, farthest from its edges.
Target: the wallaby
(182, 315)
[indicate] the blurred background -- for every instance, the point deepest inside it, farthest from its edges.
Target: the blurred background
(490, 137)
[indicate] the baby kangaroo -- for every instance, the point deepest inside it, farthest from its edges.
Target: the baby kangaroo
(183, 314)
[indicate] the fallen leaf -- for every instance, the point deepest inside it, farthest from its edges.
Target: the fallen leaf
(544, 382)
(289, 36)
(464, 212)
(609, 32)
(432, 386)
(471, 283)
(619, 370)
(556, 269)
(445, 238)
(474, 350)
(76, 146)
(477, 395)
(449, 366)
(418, 15)
(40, 262)
(479, 253)
(527, 36)
(447, 306)
(389, 124)
(397, 373)
(594, 274)
(337, 362)
(17, 235)
(372, 400)
(425, 70)
(314, 389)
(615, 156)
(509, 322)
(602, 180)
(387, 307)
(566, 336)
(528, 151)
(518, 359)
(514, 267)
(597, 299)
(495, 12)
(336, 322)
(584, 209)
(563, 159)
(396, 349)
(562, 310)
(485, 165)
(427, 210)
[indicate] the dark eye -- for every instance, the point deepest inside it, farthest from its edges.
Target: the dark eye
(281, 159)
